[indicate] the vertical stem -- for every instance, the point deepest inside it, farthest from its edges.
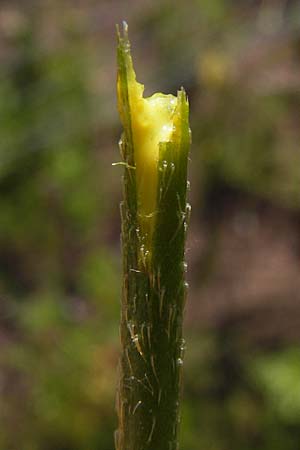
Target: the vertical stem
(154, 289)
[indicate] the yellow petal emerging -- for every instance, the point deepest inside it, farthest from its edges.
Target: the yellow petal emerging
(152, 122)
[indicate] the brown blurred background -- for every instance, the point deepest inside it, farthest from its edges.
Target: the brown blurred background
(60, 276)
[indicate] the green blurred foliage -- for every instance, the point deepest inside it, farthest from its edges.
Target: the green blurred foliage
(59, 228)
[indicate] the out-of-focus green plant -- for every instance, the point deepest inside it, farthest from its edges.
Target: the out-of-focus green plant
(278, 375)
(59, 227)
(59, 354)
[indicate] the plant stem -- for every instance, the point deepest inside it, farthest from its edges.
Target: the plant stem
(154, 288)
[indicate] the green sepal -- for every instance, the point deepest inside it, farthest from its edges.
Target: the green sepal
(154, 288)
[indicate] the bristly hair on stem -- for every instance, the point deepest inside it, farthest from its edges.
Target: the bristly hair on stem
(154, 148)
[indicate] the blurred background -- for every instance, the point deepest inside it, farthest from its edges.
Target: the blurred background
(60, 272)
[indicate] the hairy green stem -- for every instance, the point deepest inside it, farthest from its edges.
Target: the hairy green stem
(154, 288)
